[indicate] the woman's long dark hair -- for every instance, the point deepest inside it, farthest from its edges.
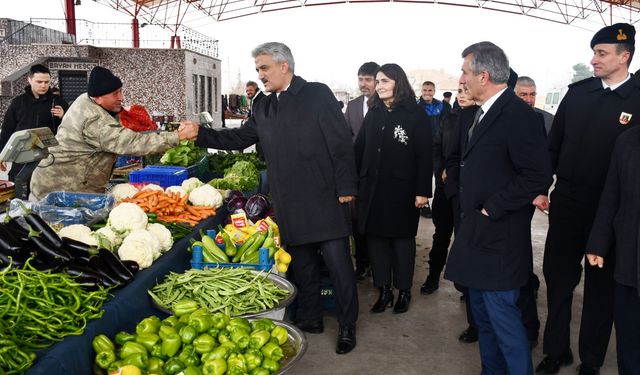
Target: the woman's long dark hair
(402, 92)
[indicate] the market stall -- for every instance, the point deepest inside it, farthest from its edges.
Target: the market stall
(128, 306)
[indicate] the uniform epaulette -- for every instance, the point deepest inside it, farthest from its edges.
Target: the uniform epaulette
(582, 82)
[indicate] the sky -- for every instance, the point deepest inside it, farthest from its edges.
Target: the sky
(329, 43)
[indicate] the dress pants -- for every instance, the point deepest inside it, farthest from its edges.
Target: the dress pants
(392, 259)
(570, 222)
(305, 269)
(361, 254)
(528, 306)
(627, 311)
(504, 348)
(442, 215)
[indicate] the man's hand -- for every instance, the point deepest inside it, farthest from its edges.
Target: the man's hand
(57, 111)
(444, 175)
(3, 166)
(188, 130)
(421, 201)
(345, 199)
(542, 202)
(595, 260)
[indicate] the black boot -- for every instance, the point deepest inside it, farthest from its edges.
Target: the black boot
(346, 339)
(385, 300)
(402, 304)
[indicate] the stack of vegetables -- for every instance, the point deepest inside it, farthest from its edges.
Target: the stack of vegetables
(221, 160)
(195, 341)
(39, 309)
(184, 155)
(242, 175)
(234, 291)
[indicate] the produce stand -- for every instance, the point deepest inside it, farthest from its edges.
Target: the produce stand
(74, 355)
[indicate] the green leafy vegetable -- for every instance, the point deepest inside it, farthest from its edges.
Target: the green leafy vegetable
(243, 175)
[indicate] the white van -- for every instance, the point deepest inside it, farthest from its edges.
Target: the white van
(553, 99)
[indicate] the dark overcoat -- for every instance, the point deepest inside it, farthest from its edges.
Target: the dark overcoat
(501, 169)
(309, 155)
(394, 160)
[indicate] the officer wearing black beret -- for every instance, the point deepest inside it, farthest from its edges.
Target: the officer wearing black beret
(589, 119)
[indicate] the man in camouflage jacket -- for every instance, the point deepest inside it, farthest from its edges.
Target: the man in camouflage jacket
(90, 137)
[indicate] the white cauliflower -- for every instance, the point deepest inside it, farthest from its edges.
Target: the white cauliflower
(143, 235)
(206, 195)
(176, 189)
(127, 217)
(153, 187)
(162, 234)
(109, 234)
(191, 183)
(123, 191)
(137, 250)
(78, 232)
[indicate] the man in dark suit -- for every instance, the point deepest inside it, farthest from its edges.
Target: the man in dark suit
(501, 165)
(312, 176)
(255, 95)
(526, 90)
(356, 110)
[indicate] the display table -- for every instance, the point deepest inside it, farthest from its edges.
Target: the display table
(129, 305)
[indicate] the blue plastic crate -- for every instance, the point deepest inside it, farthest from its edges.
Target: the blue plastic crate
(158, 174)
(264, 265)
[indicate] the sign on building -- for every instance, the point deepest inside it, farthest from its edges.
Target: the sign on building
(71, 65)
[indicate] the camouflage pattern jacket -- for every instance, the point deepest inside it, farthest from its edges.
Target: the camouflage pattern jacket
(89, 140)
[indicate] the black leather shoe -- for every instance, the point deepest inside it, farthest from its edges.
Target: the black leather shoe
(550, 365)
(362, 272)
(311, 326)
(588, 370)
(470, 335)
(430, 285)
(402, 304)
(346, 339)
(384, 300)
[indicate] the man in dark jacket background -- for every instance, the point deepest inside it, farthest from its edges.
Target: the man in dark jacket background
(312, 176)
(38, 107)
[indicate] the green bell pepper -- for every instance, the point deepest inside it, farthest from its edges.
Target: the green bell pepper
(131, 347)
(114, 366)
(166, 330)
(173, 366)
(281, 334)
(187, 334)
(239, 322)
(220, 320)
(216, 366)
(213, 332)
(148, 340)
(155, 366)
(149, 324)
(102, 343)
(185, 307)
(253, 360)
(184, 319)
(105, 358)
(259, 371)
(273, 351)
(232, 346)
(122, 337)
(263, 323)
(204, 343)
(171, 344)
(201, 322)
(270, 365)
(171, 321)
(140, 360)
(192, 370)
(156, 351)
(218, 352)
(223, 336)
(259, 338)
(188, 356)
(237, 362)
(240, 336)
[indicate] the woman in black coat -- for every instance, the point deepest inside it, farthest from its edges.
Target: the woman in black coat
(394, 161)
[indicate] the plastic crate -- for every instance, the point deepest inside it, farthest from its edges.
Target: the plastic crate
(264, 265)
(198, 169)
(161, 175)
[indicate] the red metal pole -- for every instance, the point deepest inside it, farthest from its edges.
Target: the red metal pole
(136, 33)
(71, 16)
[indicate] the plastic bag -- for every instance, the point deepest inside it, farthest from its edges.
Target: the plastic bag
(68, 208)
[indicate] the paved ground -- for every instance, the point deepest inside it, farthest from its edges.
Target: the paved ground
(424, 340)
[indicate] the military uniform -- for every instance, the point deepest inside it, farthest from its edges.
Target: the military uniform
(89, 140)
(588, 121)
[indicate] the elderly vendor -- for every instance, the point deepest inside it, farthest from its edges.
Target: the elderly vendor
(90, 137)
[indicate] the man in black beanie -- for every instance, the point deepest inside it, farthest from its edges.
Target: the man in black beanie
(90, 138)
(593, 113)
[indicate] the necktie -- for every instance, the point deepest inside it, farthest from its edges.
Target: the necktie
(476, 119)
